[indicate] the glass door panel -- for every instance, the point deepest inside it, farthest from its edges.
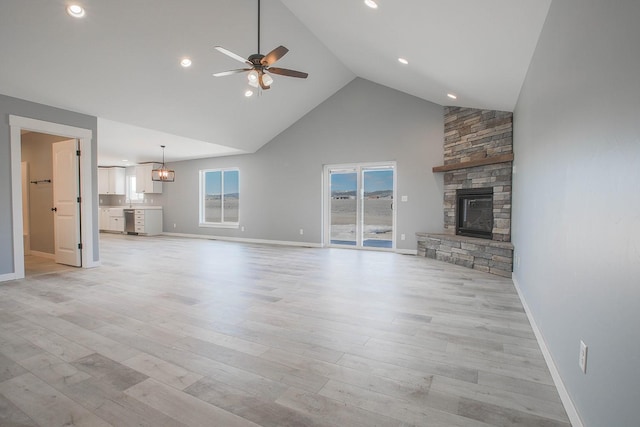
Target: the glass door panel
(377, 207)
(343, 210)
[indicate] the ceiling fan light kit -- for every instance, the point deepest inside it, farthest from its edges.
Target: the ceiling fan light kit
(260, 64)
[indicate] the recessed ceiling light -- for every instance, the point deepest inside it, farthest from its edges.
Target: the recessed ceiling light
(248, 93)
(372, 4)
(403, 61)
(186, 63)
(125, 160)
(75, 10)
(452, 96)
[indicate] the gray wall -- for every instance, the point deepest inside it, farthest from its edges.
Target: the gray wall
(37, 152)
(19, 107)
(281, 184)
(576, 217)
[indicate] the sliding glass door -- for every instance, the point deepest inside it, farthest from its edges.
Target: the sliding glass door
(360, 203)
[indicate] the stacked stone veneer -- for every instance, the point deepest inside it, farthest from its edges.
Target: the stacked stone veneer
(472, 135)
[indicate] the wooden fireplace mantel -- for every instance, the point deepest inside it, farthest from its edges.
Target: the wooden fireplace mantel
(503, 158)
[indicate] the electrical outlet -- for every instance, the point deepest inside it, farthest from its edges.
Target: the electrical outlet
(242, 228)
(301, 231)
(582, 358)
(403, 237)
(174, 225)
(404, 199)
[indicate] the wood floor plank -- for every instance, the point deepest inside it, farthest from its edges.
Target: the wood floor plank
(11, 416)
(163, 371)
(334, 412)
(184, 407)
(258, 407)
(395, 408)
(46, 405)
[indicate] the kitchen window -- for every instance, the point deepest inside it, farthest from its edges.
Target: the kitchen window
(132, 196)
(219, 198)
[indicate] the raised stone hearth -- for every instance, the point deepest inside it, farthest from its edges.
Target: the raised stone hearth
(485, 255)
(478, 154)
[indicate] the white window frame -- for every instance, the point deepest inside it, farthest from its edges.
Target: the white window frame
(201, 216)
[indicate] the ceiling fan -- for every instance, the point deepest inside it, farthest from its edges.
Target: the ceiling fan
(260, 64)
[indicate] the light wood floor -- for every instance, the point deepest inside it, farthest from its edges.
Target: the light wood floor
(179, 332)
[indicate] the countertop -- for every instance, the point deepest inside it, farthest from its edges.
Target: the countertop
(133, 207)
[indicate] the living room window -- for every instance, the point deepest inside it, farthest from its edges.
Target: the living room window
(219, 197)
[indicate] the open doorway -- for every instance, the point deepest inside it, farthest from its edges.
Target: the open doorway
(48, 179)
(80, 198)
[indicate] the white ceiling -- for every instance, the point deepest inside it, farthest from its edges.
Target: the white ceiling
(121, 63)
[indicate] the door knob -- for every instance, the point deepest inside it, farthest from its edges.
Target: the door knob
(54, 209)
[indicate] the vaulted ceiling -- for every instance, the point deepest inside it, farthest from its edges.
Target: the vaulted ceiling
(121, 63)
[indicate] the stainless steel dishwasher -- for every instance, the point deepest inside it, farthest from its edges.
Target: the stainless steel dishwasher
(130, 221)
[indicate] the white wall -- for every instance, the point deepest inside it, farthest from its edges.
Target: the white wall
(576, 201)
(281, 184)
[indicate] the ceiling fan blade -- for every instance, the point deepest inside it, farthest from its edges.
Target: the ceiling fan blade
(289, 73)
(228, 73)
(232, 55)
(274, 55)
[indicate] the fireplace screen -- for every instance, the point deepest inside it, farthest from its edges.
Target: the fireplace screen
(475, 212)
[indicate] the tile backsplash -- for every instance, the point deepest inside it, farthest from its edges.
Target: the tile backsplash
(121, 200)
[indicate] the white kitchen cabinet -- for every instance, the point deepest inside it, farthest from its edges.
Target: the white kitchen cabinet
(148, 221)
(112, 219)
(103, 219)
(144, 184)
(116, 223)
(111, 181)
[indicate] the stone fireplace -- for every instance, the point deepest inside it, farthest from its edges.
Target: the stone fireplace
(478, 155)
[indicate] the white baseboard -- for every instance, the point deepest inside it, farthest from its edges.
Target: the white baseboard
(243, 240)
(7, 277)
(572, 412)
(43, 254)
(271, 242)
(92, 264)
(407, 251)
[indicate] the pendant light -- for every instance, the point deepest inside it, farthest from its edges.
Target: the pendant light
(163, 174)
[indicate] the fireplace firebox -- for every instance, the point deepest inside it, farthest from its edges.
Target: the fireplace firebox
(474, 212)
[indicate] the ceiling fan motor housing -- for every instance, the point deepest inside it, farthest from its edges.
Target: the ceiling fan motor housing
(256, 60)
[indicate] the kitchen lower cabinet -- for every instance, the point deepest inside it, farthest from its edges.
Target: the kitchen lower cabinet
(103, 219)
(148, 221)
(111, 219)
(116, 223)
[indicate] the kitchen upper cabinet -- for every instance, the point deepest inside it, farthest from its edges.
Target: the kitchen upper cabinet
(144, 184)
(111, 181)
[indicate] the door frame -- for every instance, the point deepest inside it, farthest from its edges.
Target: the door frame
(326, 201)
(87, 220)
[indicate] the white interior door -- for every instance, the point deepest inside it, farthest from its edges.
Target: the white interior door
(66, 187)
